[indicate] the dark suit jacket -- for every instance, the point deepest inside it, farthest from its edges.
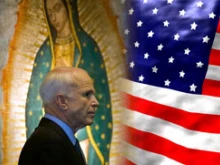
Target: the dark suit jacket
(49, 145)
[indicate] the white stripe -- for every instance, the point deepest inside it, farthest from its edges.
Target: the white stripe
(213, 73)
(176, 99)
(143, 157)
(172, 132)
(216, 42)
(212, 70)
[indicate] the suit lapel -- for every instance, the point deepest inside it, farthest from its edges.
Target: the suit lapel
(71, 150)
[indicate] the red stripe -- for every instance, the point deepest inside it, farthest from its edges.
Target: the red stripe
(124, 161)
(218, 28)
(211, 87)
(193, 121)
(153, 143)
(214, 58)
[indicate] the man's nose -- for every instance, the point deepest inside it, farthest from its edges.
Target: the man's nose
(95, 102)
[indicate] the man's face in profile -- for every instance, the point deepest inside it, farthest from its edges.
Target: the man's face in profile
(83, 103)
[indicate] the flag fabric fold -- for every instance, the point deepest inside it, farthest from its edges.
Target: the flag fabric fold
(172, 92)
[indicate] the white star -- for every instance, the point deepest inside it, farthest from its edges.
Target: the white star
(145, 1)
(187, 51)
(155, 10)
(199, 64)
(205, 39)
(166, 23)
(170, 1)
(136, 44)
(193, 26)
(132, 64)
(199, 4)
(141, 78)
(171, 59)
(154, 69)
(150, 34)
(126, 31)
(212, 15)
(176, 37)
(131, 11)
(139, 23)
(182, 12)
(160, 47)
(193, 87)
(146, 55)
(182, 74)
(167, 82)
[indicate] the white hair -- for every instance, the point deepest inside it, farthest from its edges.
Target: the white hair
(57, 82)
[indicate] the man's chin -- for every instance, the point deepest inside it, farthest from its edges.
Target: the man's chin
(90, 122)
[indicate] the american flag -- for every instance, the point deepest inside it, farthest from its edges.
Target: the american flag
(172, 93)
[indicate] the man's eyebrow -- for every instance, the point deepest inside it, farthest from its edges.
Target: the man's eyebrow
(90, 90)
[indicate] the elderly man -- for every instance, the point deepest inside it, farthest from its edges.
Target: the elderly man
(69, 102)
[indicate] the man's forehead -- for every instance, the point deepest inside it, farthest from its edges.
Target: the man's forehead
(86, 84)
(83, 78)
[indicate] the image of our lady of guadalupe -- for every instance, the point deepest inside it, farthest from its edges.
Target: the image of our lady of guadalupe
(69, 45)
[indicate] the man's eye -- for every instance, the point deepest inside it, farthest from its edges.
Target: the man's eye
(87, 94)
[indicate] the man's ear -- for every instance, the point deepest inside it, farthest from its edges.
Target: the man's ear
(61, 102)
